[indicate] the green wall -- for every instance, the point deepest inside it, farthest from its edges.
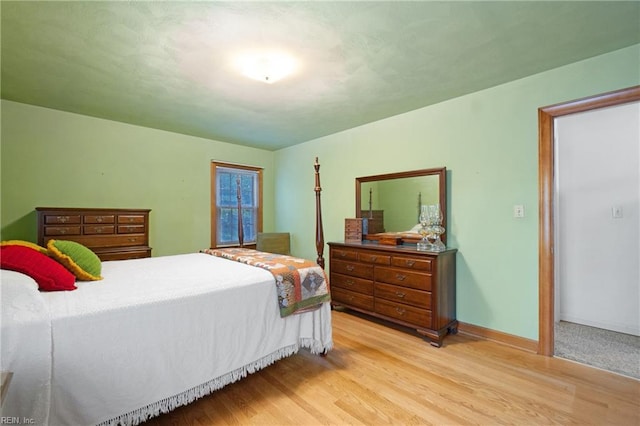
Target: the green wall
(51, 158)
(488, 141)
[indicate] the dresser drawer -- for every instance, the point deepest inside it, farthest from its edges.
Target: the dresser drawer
(108, 241)
(357, 300)
(406, 313)
(421, 281)
(412, 263)
(378, 259)
(99, 219)
(418, 298)
(344, 254)
(61, 230)
(61, 219)
(130, 229)
(99, 229)
(119, 240)
(130, 218)
(352, 268)
(351, 283)
(124, 254)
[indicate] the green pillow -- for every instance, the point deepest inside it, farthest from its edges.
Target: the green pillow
(78, 259)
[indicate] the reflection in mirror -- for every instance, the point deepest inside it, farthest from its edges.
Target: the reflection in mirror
(392, 202)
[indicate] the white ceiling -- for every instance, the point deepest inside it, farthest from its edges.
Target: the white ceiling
(169, 65)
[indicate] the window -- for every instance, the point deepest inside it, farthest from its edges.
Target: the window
(224, 203)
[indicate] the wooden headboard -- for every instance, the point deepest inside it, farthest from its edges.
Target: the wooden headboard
(113, 234)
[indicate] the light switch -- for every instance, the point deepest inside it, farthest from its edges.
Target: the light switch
(518, 211)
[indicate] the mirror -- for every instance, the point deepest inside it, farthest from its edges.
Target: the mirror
(392, 201)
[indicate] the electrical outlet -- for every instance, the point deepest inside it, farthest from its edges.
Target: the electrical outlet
(616, 212)
(518, 211)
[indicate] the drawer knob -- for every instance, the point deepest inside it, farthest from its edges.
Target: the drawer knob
(349, 282)
(342, 254)
(400, 311)
(350, 298)
(63, 231)
(400, 294)
(99, 219)
(373, 258)
(410, 262)
(99, 230)
(63, 219)
(401, 277)
(132, 240)
(350, 268)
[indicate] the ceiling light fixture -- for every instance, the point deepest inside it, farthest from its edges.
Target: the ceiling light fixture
(267, 67)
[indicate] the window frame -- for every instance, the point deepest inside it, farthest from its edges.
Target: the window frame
(214, 204)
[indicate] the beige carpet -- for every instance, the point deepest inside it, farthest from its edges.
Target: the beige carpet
(600, 348)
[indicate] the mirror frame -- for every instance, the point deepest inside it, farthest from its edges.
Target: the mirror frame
(441, 172)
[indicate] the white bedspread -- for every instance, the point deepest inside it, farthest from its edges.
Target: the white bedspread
(25, 347)
(160, 332)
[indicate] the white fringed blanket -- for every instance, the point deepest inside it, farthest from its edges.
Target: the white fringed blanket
(161, 332)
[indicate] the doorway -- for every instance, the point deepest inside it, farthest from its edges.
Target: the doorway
(546, 173)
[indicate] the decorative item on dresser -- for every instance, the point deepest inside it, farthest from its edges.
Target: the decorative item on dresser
(113, 234)
(398, 284)
(353, 229)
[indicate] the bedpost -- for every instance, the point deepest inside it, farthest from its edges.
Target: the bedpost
(370, 197)
(240, 227)
(319, 230)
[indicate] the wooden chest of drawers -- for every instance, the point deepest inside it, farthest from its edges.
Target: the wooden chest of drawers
(398, 284)
(113, 234)
(353, 230)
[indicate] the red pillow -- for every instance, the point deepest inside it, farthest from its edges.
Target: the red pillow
(49, 274)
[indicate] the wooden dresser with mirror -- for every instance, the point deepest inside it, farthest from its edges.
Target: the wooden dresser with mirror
(396, 282)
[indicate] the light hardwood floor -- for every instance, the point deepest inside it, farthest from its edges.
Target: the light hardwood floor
(380, 375)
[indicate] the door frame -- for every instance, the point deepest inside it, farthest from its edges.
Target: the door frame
(546, 226)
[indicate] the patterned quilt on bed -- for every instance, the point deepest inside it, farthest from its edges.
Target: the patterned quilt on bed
(302, 284)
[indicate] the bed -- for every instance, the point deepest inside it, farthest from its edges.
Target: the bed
(152, 335)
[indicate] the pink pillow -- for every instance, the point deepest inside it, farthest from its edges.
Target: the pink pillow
(49, 274)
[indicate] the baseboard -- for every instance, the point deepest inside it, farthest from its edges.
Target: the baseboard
(498, 336)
